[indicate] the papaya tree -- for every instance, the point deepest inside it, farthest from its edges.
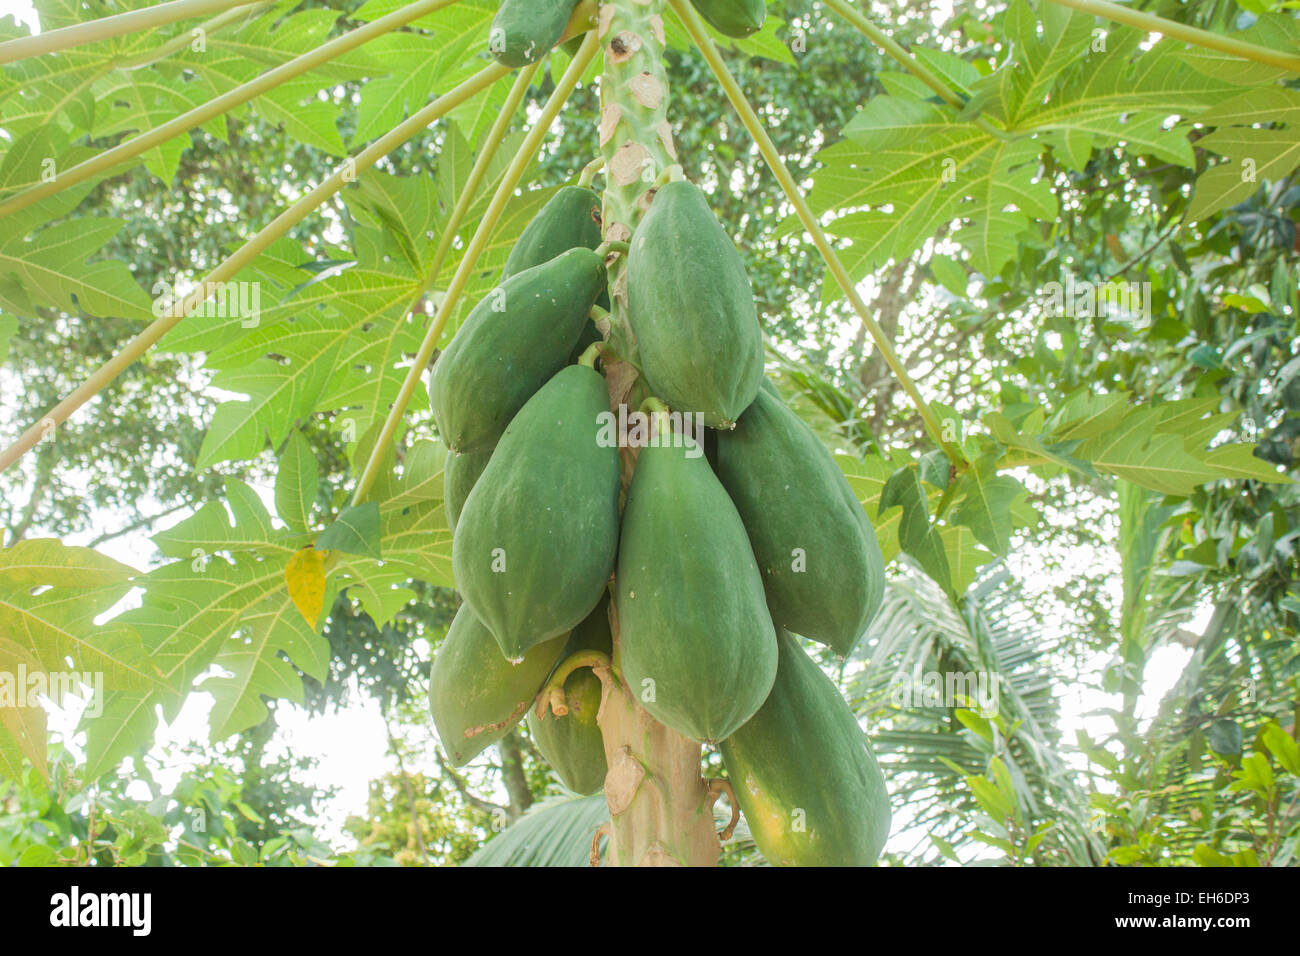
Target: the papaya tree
(561, 401)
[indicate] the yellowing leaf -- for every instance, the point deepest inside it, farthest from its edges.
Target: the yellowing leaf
(305, 577)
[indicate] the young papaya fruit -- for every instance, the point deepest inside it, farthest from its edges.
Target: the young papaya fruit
(696, 641)
(733, 18)
(523, 31)
(475, 694)
(569, 220)
(572, 744)
(535, 542)
(691, 308)
(804, 774)
(821, 565)
(459, 474)
(510, 345)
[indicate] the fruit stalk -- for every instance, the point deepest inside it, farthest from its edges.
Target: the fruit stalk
(661, 810)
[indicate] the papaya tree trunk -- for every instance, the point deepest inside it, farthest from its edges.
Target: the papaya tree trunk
(661, 809)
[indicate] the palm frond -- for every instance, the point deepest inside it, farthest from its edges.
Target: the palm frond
(554, 832)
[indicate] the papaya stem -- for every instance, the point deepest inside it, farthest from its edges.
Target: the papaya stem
(695, 27)
(588, 356)
(584, 18)
(659, 415)
(505, 191)
(612, 245)
(1151, 23)
(652, 405)
(553, 693)
(590, 170)
(671, 174)
(654, 790)
(182, 41)
(719, 786)
(597, 313)
(105, 28)
(476, 176)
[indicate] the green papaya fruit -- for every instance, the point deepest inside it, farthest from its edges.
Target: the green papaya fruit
(821, 564)
(696, 642)
(691, 308)
(535, 542)
(459, 473)
(572, 744)
(569, 220)
(804, 774)
(769, 386)
(733, 18)
(475, 694)
(523, 31)
(510, 345)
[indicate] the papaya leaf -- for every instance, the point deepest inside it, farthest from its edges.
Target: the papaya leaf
(53, 271)
(985, 504)
(227, 593)
(1035, 62)
(354, 531)
(867, 478)
(22, 720)
(1137, 449)
(1251, 156)
(187, 612)
(885, 122)
(245, 527)
(1282, 746)
(1022, 449)
(413, 535)
(428, 65)
(1238, 460)
(50, 595)
(1086, 414)
(916, 535)
(8, 326)
(251, 658)
(304, 577)
(964, 556)
(296, 482)
(280, 389)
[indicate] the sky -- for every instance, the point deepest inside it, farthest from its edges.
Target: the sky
(351, 744)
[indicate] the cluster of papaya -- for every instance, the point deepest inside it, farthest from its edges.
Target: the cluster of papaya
(717, 558)
(523, 31)
(726, 545)
(723, 557)
(530, 495)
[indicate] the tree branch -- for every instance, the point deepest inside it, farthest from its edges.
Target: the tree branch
(463, 788)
